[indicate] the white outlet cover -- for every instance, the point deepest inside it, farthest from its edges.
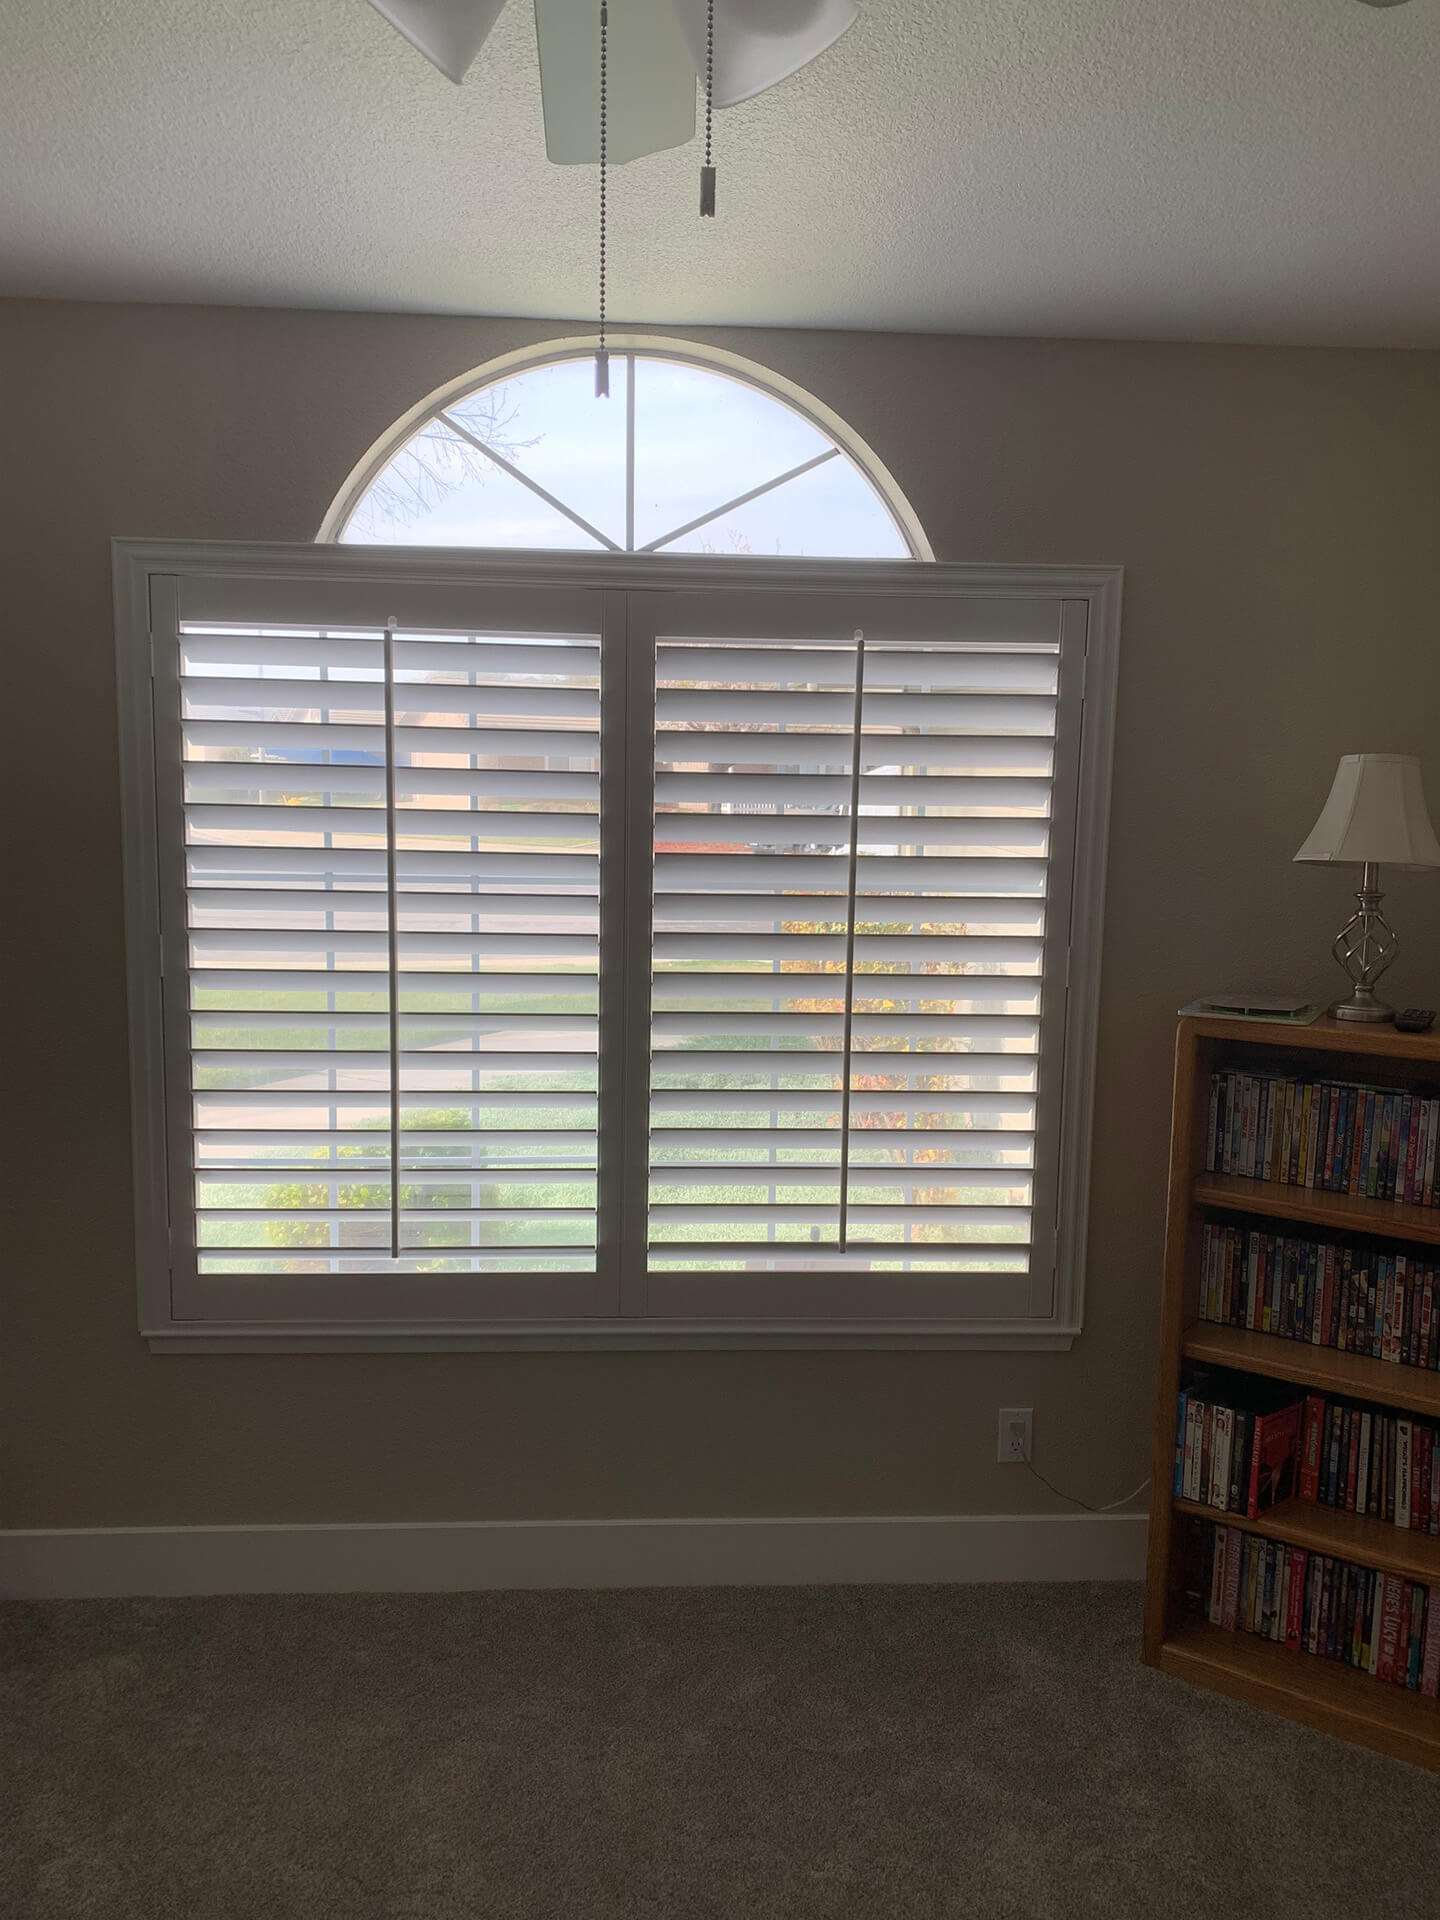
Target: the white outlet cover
(1013, 1438)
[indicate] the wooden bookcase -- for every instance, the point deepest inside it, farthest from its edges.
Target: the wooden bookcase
(1322, 1693)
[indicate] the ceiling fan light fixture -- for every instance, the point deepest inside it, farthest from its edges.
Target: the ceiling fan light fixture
(759, 43)
(448, 32)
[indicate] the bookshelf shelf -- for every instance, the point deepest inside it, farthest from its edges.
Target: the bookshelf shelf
(1322, 1693)
(1354, 1375)
(1340, 1212)
(1353, 1536)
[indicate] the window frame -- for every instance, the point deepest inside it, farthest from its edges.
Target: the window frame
(145, 573)
(651, 346)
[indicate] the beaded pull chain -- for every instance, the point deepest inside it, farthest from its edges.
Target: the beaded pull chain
(602, 356)
(707, 172)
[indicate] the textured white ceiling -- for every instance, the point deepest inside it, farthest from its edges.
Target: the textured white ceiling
(1262, 170)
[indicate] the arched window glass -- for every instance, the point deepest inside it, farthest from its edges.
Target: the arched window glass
(690, 453)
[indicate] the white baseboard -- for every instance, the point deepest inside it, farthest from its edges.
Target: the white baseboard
(467, 1555)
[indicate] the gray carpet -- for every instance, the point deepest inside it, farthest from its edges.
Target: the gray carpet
(862, 1752)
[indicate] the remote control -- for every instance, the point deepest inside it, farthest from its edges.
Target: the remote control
(1414, 1019)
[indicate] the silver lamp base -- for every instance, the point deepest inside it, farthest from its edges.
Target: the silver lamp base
(1365, 947)
(1362, 1005)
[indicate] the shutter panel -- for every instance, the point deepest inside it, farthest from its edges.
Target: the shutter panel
(392, 900)
(851, 895)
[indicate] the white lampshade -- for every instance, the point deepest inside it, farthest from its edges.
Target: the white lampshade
(1376, 812)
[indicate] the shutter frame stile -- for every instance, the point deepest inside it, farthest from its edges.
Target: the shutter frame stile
(270, 1136)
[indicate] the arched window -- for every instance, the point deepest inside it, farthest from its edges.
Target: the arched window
(693, 451)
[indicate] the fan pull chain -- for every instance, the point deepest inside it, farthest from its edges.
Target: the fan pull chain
(602, 356)
(707, 172)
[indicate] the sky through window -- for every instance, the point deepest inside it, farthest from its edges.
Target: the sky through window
(680, 458)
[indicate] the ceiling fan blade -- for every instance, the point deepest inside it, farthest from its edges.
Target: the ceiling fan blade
(448, 32)
(761, 42)
(649, 78)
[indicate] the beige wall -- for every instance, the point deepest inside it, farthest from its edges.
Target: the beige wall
(1276, 515)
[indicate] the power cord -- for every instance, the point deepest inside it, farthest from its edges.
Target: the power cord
(1123, 1501)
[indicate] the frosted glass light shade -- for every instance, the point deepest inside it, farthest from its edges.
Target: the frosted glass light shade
(1376, 812)
(448, 32)
(758, 43)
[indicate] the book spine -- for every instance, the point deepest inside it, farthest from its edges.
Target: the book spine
(1271, 1601)
(1230, 1601)
(1333, 1103)
(1357, 1141)
(1247, 1127)
(1396, 1174)
(1239, 1463)
(1312, 1136)
(1309, 1489)
(1430, 1659)
(1416, 1637)
(1219, 1492)
(1295, 1598)
(1367, 1157)
(1331, 1454)
(1311, 1626)
(1181, 1409)
(1225, 1276)
(1396, 1168)
(1420, 1452)
(1419, 1127)
(1194, 1429)
(1362, 1475)
(1215, 1599)
(1352, 1456)
(1207, 1271)
(1256, 1266)
(1362, 1614)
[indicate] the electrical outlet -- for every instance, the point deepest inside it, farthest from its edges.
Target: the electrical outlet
(1013, 1446)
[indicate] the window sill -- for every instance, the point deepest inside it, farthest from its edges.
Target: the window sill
(610, 1336)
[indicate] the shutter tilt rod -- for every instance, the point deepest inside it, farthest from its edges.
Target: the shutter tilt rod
(855, 737)
(391, 917)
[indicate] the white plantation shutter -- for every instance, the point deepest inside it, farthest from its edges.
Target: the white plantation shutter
(863, 822)
(387, 835)
(522, 946)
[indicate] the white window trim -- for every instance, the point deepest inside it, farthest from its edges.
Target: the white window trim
(137, 562)
(655, 347)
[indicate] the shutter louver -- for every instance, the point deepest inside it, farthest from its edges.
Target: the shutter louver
(851, 862)
(490, 816)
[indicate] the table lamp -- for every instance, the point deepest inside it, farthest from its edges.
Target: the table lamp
(1375, 816)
